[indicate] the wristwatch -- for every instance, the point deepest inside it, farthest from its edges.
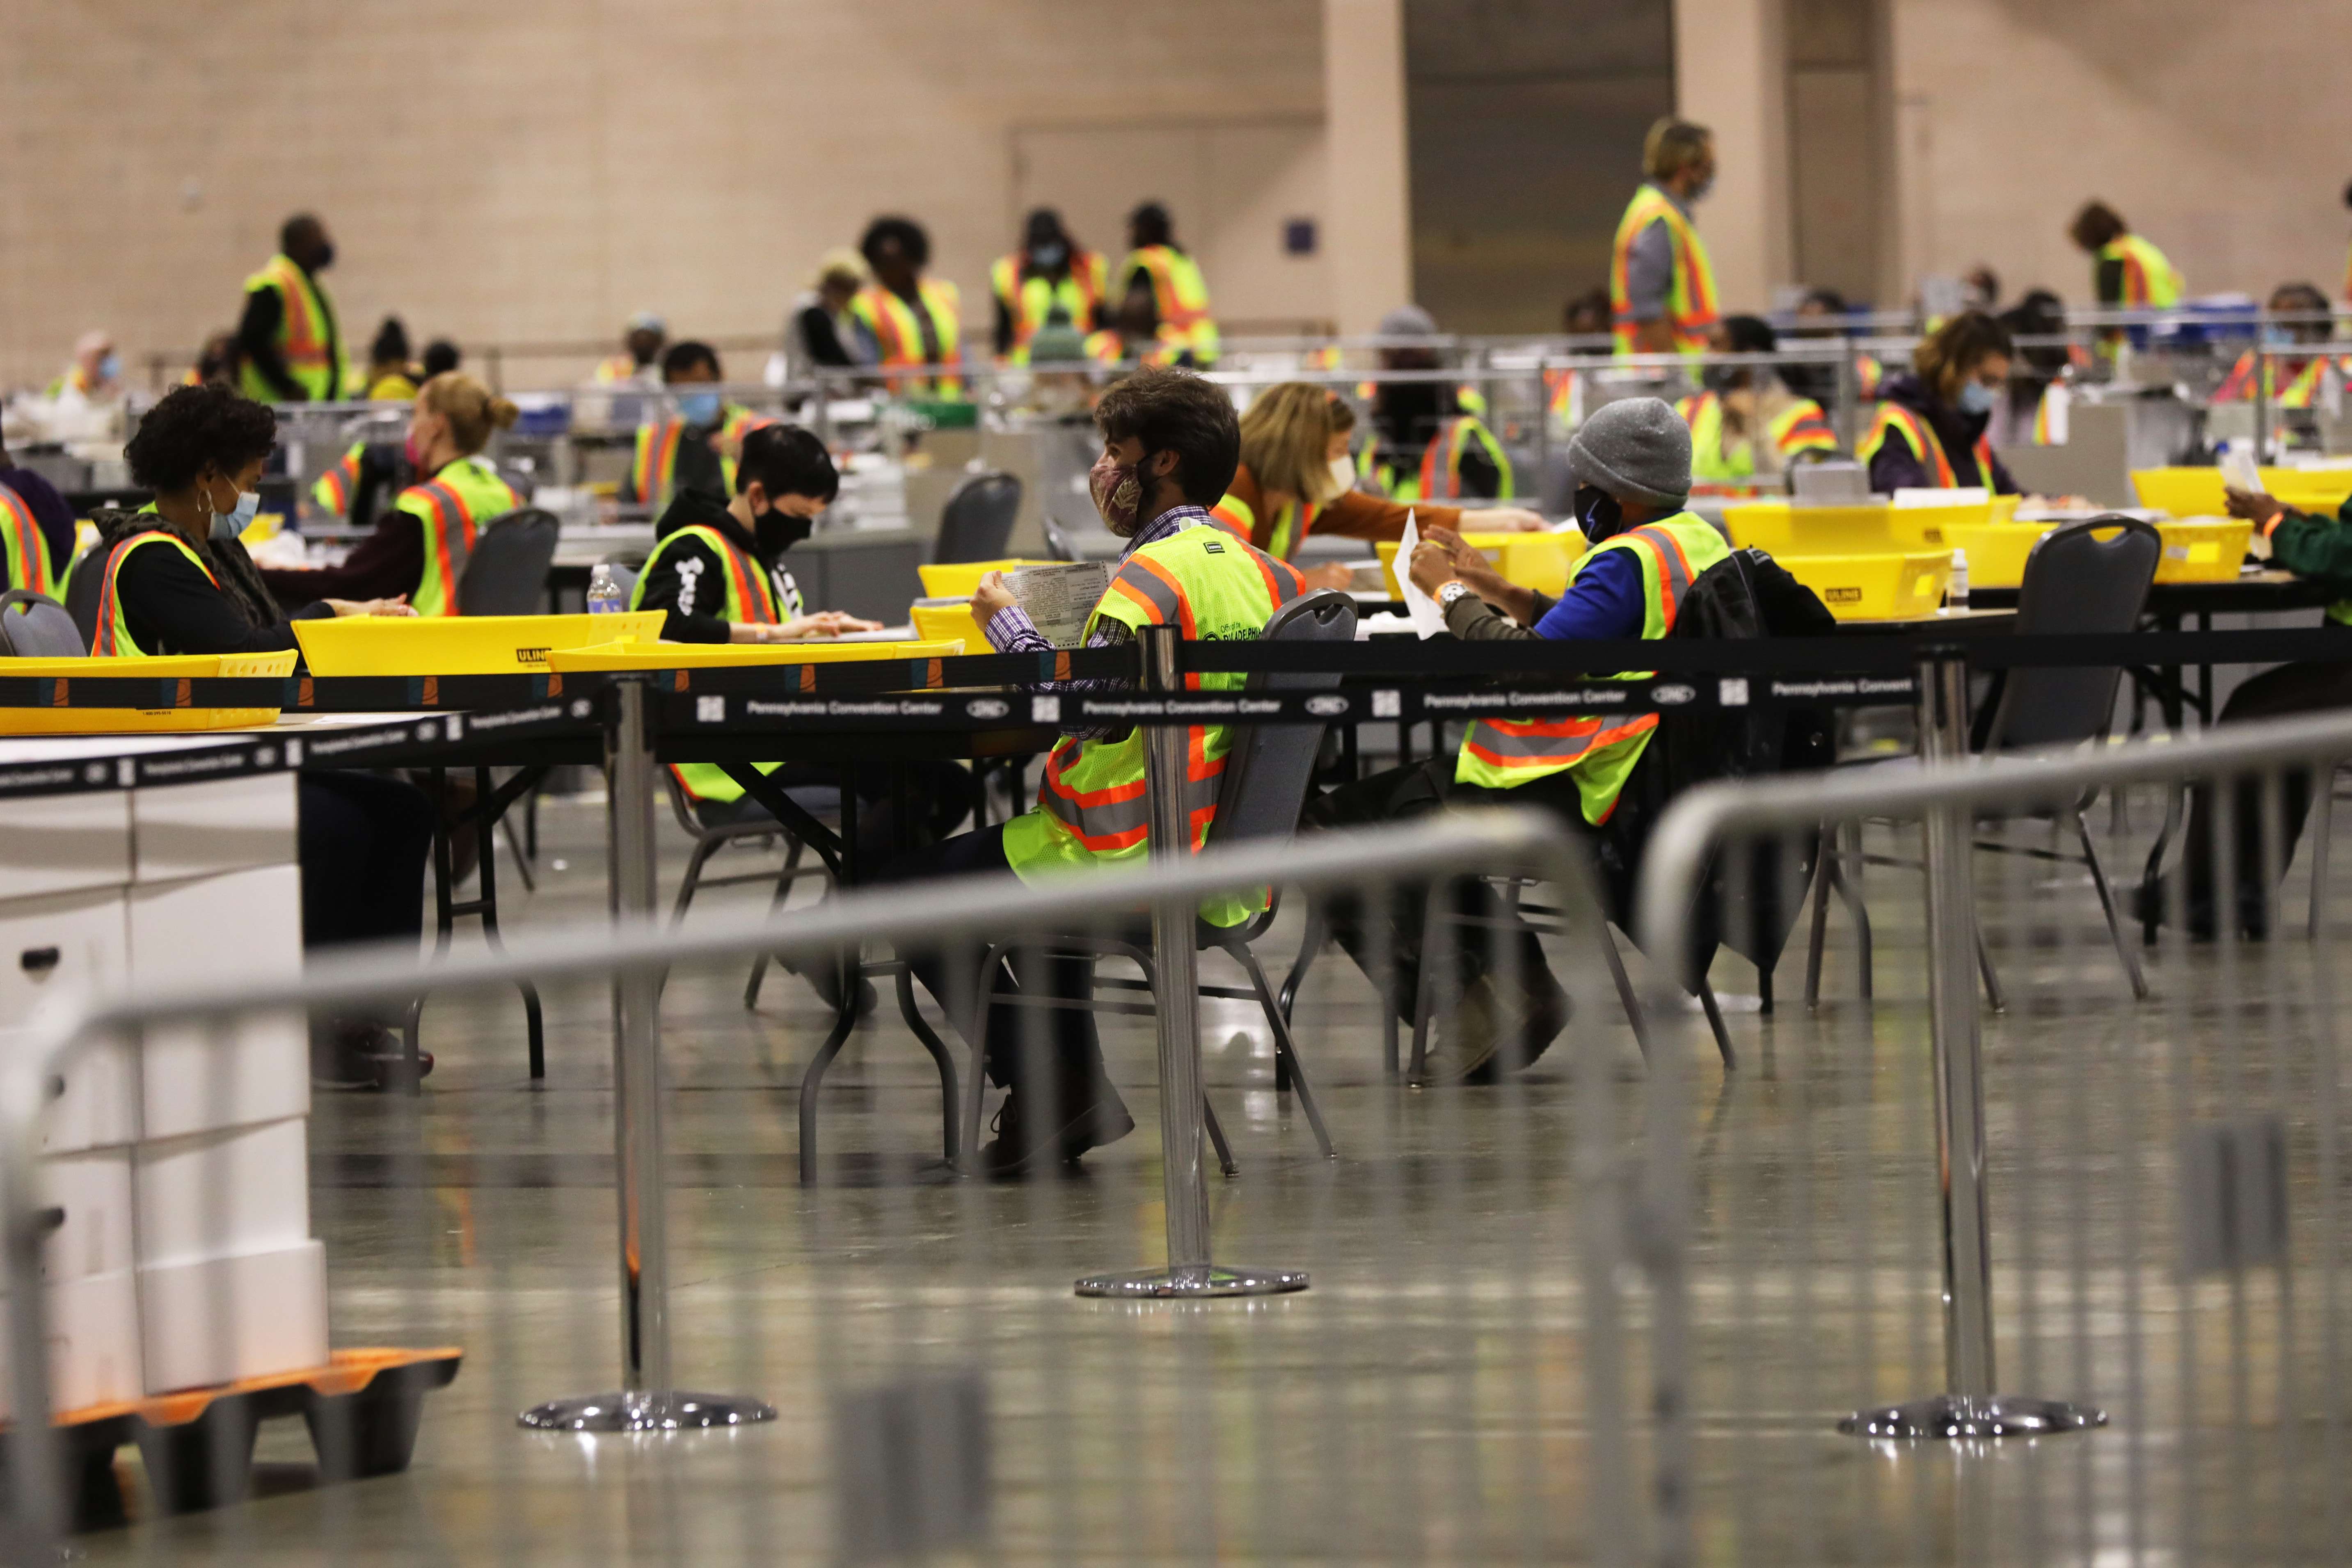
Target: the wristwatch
(1450, 591)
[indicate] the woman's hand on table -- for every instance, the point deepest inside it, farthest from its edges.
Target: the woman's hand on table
(992, 598)
(388, 607)
(2257, 507)
(1336, 574)
(823, 623)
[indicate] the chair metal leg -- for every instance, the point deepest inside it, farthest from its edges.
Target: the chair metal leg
(1311, 948)
(975, 1084)
(2323, 818)
(1217, 1138)
(487, 910)
(1994, 997)
(813, 1081)
(1626, 996)
(1286, 1049)
(1715, 1021)
(1425, 995)
(704, 848)
(1823, 871)
(784, 891)
(945, 1061)
(521, 861)
(2107, 908)
(1851, 897)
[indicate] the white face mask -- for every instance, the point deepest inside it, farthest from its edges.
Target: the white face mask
(1343, 476)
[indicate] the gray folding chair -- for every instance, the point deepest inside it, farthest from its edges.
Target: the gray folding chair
(35, 626)
(978, 520)
(711, 838)
(2075, 582)
(505, 573)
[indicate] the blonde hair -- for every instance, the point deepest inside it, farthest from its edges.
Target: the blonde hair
(1672, 146)
(472, 410)
(843, 263)
(1287, 434)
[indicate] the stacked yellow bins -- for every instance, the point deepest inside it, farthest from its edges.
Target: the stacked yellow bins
(461, 644)
(1886, 585)
(118, 720)
(1996, 552)
(2202, 549)
(938, 620)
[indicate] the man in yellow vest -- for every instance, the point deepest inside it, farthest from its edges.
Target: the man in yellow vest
(1171, 444)
(693, 447)
(1162, 274)
(1050, 274)
(290, 347)
(905, 320)
(1660, 284)
(1631, 460)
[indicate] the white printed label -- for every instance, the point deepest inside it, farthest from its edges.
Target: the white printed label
(1734, 691)
(710, 710)
(1387, 705)
(1045, 710)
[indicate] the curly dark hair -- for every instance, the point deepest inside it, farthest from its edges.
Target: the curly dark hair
(1175, 411)
(902, 233)
(194, 428)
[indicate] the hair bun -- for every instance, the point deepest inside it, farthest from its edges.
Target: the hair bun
(503, 412)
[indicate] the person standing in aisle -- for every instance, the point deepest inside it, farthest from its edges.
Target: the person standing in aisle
(696, 449)
(1051, 272)
(1661, 285)
(290, 348)
(1161, 273)
(904, 318)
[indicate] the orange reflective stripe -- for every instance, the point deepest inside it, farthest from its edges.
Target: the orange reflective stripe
(29, 551)
(108, 642)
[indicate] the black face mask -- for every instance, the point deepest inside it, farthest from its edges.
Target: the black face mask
(1597, 513)
(777, 532)
(325, 259)
(1721, 379)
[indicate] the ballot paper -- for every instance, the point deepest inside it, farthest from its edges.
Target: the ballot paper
(1934, 495)
(1060, 598)
(1427, 618)
(2238, 470)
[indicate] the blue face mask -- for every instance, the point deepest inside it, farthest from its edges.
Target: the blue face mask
(228, 525)
(110, 369)
(2277, 337)
(1975, 397)
(698, 408)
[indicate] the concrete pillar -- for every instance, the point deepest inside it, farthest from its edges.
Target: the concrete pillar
(1731, 74)
(1368, 216)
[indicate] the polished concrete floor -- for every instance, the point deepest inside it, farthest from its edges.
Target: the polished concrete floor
(1472, 1376)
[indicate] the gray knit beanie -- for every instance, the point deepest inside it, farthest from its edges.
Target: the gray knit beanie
(1636, 448)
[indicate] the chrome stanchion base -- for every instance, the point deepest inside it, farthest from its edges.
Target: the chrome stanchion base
(674, 1411)
(1958, 1416)
(1194, 1283)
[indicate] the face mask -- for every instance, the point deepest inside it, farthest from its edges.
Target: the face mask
(228, 525)
(1046, 257)
(1119, 493)
(1343, 476)
(1720, 379)
(411, 450)
(1598, 513)
(326, 258)
(2274, 336)
(1699, 190)
(1975, 397)
(111, 368)
(698, 408)
(777, 531)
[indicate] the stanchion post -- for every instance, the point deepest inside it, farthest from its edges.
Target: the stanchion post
(2261, 392)
(1971, 1406)
(1176, 973)
(647, 1400)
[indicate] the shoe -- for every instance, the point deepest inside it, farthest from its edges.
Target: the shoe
(1020, 1150)
(351, 1058)
(1484, 1035)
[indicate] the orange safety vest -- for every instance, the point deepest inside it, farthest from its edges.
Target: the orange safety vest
(2301, 389)
(112, 640)
(451, 508)
(654, 464)
(28, 563)
(898, 335)
(1180, 296)
(1029, 302)
(1690, 297)
(1916, 432)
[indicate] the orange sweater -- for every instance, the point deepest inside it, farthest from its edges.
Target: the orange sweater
(1353, 515)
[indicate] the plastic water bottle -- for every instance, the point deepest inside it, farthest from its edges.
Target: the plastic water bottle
(604, 595)
(1956, 597)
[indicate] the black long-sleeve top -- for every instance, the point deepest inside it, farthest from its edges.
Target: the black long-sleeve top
(688, 579)
(387, 563)
(257, 343)
(168, 606)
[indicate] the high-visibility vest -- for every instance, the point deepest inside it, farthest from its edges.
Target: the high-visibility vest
(1502, 754)
(1799, 427)
(307, 339)
(898, 335)
(333, 488)
(1690, 297)
(1894, 419)
(29, 561)
(112, 638)
(1106, 347)
(653, 471)
(1181, 296)
(1091, 809)
(619, 367)
(2238, 386)
(1438, 475)
(1293, 520)
(451, 508)
(2149, 280)
(1802, 426)
(747, 596)
(1029, 302)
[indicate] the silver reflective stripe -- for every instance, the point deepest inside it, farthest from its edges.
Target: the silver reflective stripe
(1114, 819)
(1518, 742)
(1149, 583)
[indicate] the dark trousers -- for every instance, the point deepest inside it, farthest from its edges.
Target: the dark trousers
(1030, 1050)
(939, 795)
(2274, 693)
(363, 843)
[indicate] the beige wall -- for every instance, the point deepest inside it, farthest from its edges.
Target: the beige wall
(1369, 234)
(1732, 75)
(538, 169)
(2217, 129)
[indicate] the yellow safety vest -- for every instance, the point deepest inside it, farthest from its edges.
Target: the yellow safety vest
(653, 471)
(333, 488)
(1894, 419)
(2301, 388)
(306, 324)
(1601, 748)
(1690, 298)
(750, 599)
(2149, 280)
(1292, 523)
(898, 335)
(113, 639)
(1799, 427)
(1029, 302)
(27, 550)
(1438, 478)
(1091, 809)
(1179, 295)
(451, 508)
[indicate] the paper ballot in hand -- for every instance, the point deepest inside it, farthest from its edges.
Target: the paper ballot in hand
(1427, 619)
(2238, 470)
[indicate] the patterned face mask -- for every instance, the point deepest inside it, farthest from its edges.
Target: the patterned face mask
(1118, 491)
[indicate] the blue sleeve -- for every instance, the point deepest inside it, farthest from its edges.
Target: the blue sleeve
(1605, 602)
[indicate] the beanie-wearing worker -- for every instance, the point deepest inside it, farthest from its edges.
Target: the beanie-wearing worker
(1631, 460)
(1423, 445)
(288, 347)
(1746, 425)
(906, 318)
(2290, 383)
(1159, 273)
(1294, 478)
(1929, 432)
(1660, 284)
(1170, 445)
(641, 347)
(1050, 273)
(420, 545)
(694, 449)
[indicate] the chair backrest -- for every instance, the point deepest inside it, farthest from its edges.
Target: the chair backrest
(978, 521)
(506, 574)
(35, 626)
(1058, 545)
(2074, 582)
(1270, 765)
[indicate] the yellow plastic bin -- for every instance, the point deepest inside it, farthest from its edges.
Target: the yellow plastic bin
(1779, 529)
(1889, 585)
(2202, 549)
(1540, 561)
(119, 720)
(1996, 552)
(1926, 527)
(649, 655)
(961, 579)
(942, 618)
(461, 644)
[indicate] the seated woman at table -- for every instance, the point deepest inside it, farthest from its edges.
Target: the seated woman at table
(2309, 545)
(419, 547)
(1295, 478)
(1929, 430)
(174, 580)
